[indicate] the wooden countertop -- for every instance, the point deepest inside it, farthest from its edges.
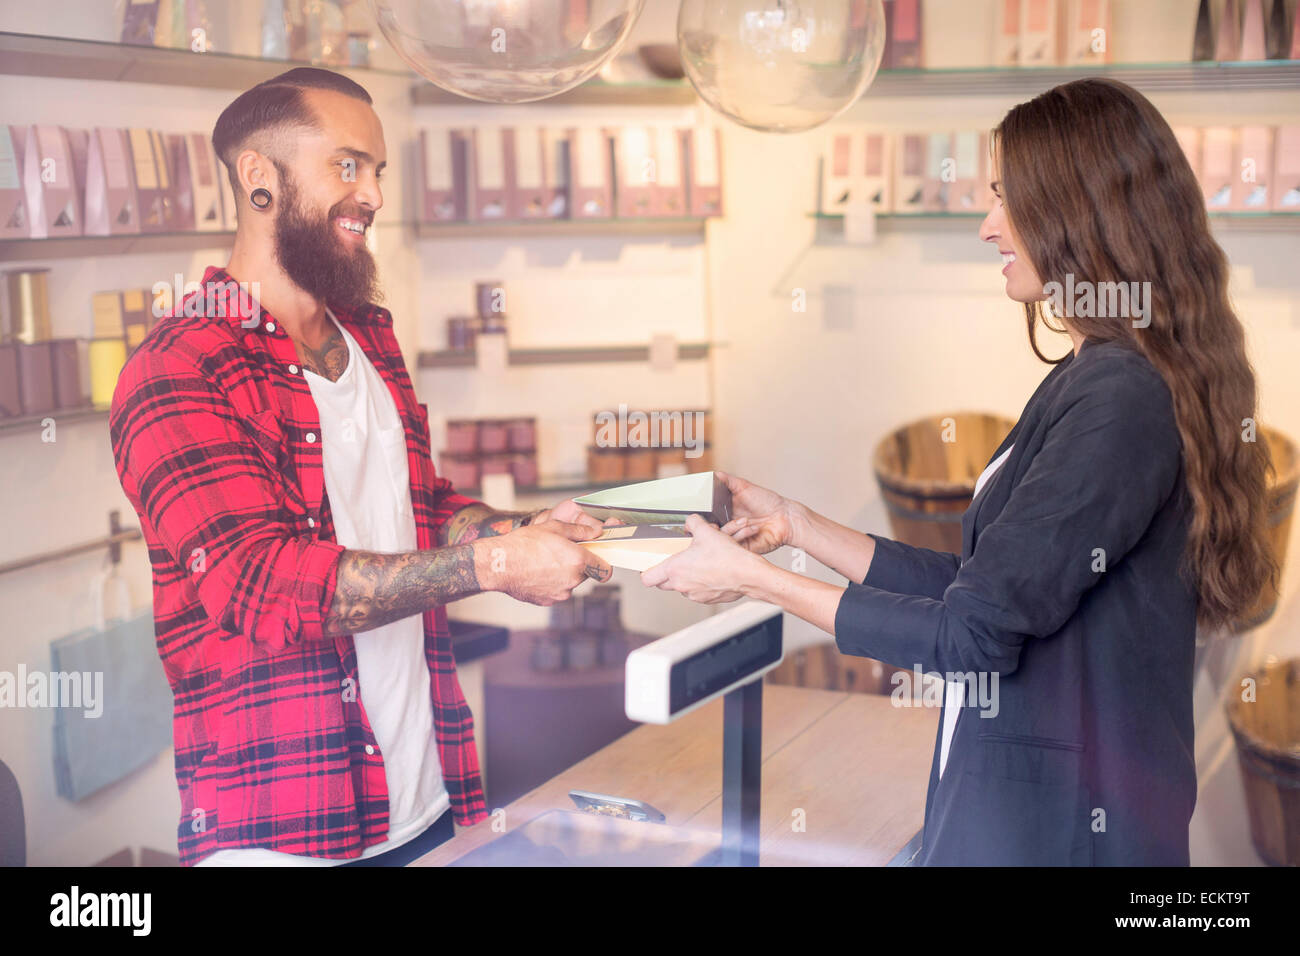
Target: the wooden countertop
(853, 767)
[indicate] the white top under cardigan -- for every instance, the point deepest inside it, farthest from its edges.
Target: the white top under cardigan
(956, 689)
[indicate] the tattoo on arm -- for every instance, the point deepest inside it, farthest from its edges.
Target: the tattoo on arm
(376, 589)
(479, 521)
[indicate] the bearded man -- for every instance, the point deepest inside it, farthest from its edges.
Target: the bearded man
(303, 546)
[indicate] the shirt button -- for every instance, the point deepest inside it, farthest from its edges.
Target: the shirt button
(311, 438)
(311, 522)
(293, 369)
(369, 749)
(270, 326)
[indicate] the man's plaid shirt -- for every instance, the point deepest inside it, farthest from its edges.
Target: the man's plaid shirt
(217, 443)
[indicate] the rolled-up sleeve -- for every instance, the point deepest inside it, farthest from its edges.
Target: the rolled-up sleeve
(1109, 461)
(906, 569)
(194, 473)
(449, 499)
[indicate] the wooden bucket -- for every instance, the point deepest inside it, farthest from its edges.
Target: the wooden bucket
(1281, 505)
(928, 483)
(1267, 732)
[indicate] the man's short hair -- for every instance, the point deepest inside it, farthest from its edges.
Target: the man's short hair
(259, 116)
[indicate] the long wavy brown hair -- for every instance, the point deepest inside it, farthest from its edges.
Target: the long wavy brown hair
(1096, 186)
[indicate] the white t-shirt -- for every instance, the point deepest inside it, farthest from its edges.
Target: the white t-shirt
(363, 454)
(955, 691)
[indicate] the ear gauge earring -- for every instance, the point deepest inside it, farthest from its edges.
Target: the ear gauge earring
(260, 197)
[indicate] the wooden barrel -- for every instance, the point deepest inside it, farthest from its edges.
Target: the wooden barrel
(1267, 732)
(927, 472)
(1281, 505)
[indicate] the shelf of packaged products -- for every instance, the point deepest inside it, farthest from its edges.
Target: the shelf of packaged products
(677, 226)
(29, 54)
(569, 355)
(957, 81)
(65, 416)
(1246, 221)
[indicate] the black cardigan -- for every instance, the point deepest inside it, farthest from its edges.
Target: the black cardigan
(1089, 759)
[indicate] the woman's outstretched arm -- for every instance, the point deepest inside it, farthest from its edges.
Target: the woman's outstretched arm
(1110, 460)
(766, 520)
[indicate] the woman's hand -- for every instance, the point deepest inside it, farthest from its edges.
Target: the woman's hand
(764, 520)
(713, 570)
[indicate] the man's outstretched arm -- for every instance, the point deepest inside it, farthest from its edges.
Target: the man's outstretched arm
(538, 563)
(373, 589)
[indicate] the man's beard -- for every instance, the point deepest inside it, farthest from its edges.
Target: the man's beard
(314, 257)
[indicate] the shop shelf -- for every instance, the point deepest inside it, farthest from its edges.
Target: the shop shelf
(567, 355)
(71, 247)
(1201, 77)
(29, 54)
(1246, 221)
(561, 227)
(595, 92)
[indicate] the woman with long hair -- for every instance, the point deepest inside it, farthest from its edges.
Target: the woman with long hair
(1126, 507)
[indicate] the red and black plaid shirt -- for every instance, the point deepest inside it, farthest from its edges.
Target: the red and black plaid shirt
(217, 443)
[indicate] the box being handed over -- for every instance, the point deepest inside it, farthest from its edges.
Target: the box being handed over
(654, 516)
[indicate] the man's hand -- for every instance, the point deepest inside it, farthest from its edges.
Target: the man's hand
(569, 512)
(764, 520)
(540, 563)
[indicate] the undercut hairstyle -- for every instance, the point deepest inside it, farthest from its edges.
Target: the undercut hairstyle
(265, 117)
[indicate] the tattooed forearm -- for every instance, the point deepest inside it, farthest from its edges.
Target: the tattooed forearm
(376, 589)
(479, 521)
